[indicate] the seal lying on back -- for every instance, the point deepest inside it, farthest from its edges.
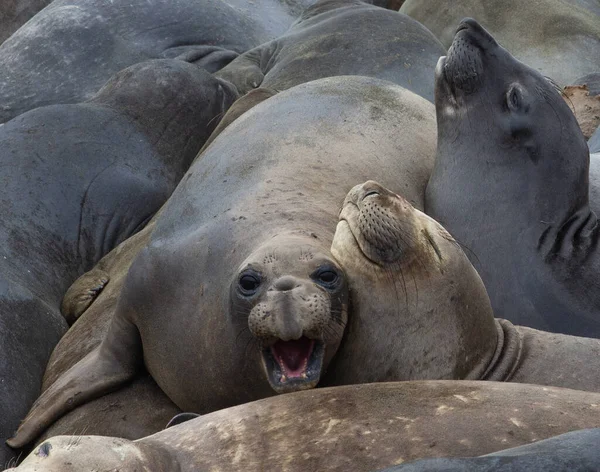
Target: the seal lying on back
(76, 181)
(71, 48)
(511, 184)
(342, 37)
(357, 427)
(559, 38)
(570, 452)
(238, 278)
(420, 311)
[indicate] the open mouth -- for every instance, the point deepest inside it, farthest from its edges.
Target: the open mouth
(294, 365)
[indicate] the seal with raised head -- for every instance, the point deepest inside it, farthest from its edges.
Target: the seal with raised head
(238, 278)
(357, 427)
(342, 37)
(70, 49)
(76, 181)
(420, 310)
(510, 183)
(558, 38)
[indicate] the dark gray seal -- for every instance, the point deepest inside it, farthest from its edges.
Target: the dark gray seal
(558, 38)
(510, 183)
(357, 427)
(76, 181)
(71, 48)
(570, 452)
(342, 37)
(237, 277)
(420, 311)
(14, 13)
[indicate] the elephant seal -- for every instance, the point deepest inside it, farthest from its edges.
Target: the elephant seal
(14, 13)
(342, 37)
(558, 38)
(361, 427)
(77, 180)
(420, 311)
(508, 141)
(272, 312)
(70, 49)
(576, 451)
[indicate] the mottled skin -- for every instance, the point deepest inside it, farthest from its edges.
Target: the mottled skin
(76, 181)
(13, 13)
(510, 183)
(357, 427)
(342, 37)
(560, 39)
(420, 311)
(576, 451)
(271, 188)
(71, 48)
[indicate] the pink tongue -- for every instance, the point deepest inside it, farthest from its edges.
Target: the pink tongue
(292, 356)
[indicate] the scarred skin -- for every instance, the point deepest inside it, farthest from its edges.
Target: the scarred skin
(342, 37)
(507, 141)
(77, 180)
(358, 427)
(421, 311)
(271, 189)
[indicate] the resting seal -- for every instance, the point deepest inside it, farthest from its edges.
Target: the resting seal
(342, 37)
(420, 311)
(362, 427)
(71, 48)
(77, 180)
(558, 38)
(508, 141)
(570, 452)
(272, 312)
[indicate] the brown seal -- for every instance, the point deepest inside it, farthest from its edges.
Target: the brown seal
(357, 427)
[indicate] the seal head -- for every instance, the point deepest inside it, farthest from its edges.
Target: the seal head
(295, 297)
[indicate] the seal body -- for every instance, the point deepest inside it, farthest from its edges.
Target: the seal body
(13, 13)
(362, 427)
(523, 154)
(342, 37)
(420, 310)
(574, 451)
(71, 48)
(271, 315)
(562, 49)
(78, 180)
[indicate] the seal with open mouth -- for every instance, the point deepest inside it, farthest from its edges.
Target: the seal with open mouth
(511, 183)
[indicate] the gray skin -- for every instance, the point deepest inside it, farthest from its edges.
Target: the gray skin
(14, 13)
(576, 451)
(71, 48)
(342, 37)
(261, 228)
(420, 310)
(592, 81)
(76, 181)
(511, 184)
(357, 427)
(560, 39)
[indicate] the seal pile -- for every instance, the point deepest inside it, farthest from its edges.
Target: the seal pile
(331, 235)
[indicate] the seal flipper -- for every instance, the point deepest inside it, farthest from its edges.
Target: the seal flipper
(82, 293)
(113, 362)
(247, 71)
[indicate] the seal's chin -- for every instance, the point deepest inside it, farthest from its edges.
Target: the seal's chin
(294, 365)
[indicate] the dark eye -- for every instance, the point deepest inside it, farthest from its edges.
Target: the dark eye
(514, 99)
(249, 283)
(326, 276)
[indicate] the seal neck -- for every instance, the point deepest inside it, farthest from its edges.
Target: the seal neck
(508, 354)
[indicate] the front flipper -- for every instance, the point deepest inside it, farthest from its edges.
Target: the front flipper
(210, 58)
(247, 71)
(103, 370)
(82, 293)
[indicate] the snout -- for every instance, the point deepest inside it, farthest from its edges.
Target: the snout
(476, 34)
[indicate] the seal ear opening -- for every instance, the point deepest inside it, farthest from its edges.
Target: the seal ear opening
(111, 364)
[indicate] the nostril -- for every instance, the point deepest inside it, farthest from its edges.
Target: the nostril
(371, 193)
(285, 283)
